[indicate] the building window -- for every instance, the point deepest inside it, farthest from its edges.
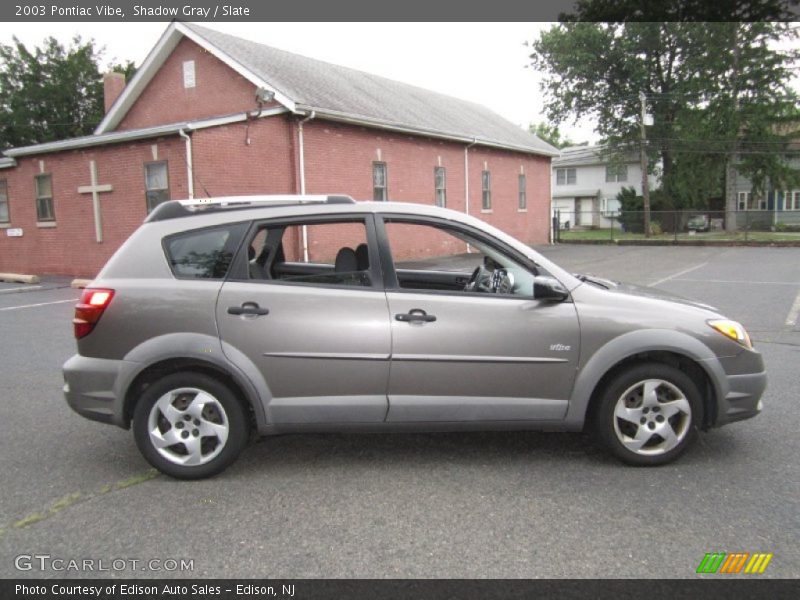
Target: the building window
(747, 201)
(379, 191)
(189, 80)
(44, 198)
(440, 186)
(486, 190)
(565, 176)
(616, 173)
(523, 197)
(4, 215)
(791, 201)
(156, 180)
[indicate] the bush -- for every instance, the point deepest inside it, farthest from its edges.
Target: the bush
(780, 226)
(631, 216)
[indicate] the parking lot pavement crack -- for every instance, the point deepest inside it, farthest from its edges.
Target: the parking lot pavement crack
(76, 498)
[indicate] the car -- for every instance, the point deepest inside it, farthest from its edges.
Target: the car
(227, 317)
(699, 223)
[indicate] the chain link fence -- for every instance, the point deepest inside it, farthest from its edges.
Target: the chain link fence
(677, 226)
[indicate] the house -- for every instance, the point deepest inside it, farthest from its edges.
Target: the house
(211, 114)
(586, 181)
(776, 206)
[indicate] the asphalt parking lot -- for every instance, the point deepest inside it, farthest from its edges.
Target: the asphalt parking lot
(494, 505)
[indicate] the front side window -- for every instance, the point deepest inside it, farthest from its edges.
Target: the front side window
(156, 179)
(486, 190)
(4, 213)
(379, 187)
(44, 198)
(523, 196)
(435, 257)
(439, 184)
(566, 176)
(204, 253)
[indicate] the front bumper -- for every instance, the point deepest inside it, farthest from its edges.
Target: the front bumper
(92, 388)
(743, 399)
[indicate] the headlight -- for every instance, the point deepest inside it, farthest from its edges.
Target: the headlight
(733, 330)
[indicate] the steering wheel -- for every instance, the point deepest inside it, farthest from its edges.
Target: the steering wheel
(492, 281)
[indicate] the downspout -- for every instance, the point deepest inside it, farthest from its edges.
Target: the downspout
(189, 166)
(310, 116)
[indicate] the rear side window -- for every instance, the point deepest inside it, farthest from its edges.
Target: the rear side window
(204, 253)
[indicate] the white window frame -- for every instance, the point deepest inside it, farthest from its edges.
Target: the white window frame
(791, 200)
(563, 176)
(440, 187)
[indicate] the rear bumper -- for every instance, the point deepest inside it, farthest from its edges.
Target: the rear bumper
(91, 388)
(743, 399)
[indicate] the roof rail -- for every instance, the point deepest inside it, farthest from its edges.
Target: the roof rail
(184, 208)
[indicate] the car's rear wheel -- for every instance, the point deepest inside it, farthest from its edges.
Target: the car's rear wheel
(649, 414)
(189, 425)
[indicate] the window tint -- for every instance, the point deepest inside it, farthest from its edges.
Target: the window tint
(332, 254)
(204, 254)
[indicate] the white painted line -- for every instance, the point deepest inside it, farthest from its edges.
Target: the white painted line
(791, 319)
(678, 274)
(737, 282)
(25, 287)
(40, 304)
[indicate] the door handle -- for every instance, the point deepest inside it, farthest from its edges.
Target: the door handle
(415, 315)
(248, 308)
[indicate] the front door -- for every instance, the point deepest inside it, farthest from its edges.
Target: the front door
(468, 343)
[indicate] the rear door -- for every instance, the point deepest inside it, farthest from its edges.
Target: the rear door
(315, 323)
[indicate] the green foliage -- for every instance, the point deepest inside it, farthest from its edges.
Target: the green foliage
(50, 92)
(550, 134)
(716, 90)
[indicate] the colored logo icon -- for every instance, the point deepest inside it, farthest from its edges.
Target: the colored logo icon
(735, 562)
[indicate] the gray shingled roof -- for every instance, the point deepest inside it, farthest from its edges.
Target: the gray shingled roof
(589, 155)
(317, 85)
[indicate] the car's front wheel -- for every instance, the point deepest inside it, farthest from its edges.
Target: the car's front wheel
(649, 414)
(189, 425)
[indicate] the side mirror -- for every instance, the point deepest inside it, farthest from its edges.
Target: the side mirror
(548, 289)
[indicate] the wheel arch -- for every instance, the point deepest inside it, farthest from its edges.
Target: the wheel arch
(193, 352)
(663, 346)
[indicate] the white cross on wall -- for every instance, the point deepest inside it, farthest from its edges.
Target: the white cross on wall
(94, 189)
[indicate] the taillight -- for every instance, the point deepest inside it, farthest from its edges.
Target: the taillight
(89, 309)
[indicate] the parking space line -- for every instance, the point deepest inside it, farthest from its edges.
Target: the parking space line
(39, 304)
(736, 281)
(791, 318)
(25, 287)
(678, 274)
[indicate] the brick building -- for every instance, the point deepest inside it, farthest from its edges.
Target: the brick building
(211, 114)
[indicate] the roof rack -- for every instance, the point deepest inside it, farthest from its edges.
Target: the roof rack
(185, 208)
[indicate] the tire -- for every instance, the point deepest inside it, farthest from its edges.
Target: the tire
(189, 425)
(649, 414)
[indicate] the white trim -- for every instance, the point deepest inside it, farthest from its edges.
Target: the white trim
(158, 55)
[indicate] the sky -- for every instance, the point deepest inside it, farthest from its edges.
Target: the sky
(481, 62)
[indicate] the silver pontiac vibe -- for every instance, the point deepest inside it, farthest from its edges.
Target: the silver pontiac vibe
(317, 313)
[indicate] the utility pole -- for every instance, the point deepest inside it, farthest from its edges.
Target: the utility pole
(643, 158)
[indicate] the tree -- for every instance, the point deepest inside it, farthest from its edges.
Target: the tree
(550, 134)
(50, 92)
(715, 89)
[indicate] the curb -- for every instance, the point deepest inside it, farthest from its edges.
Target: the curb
(18, 278)
(79, 284)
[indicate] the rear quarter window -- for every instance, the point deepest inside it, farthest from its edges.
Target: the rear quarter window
(203, 254)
